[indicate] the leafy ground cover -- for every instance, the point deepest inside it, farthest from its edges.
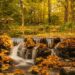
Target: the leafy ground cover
(43, 65)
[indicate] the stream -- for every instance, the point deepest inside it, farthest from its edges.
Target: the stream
(22, 58)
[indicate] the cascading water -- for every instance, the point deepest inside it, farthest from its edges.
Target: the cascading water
(17, 59)
(30, 54)
(52, 52)
(50, 41)
(21, 54)
(13, 53)
(34, 52)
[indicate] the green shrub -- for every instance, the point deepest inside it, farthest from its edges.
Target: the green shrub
(15, 33)
(67, 27)
(55, 20)
(29, 32)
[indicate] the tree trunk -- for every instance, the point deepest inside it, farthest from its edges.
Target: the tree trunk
(49, 11)
(72, 10)
(22, 11)
(43, 12)
(22, 14)
(66, 11)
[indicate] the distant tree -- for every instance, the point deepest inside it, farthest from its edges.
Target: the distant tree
(72, 2)
(35, 11)
(66, 11)
(6, 12)
(49, 11)
(65, 5)
(22, 11)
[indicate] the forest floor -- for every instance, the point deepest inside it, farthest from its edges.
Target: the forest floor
(53, 35)
(43, 31)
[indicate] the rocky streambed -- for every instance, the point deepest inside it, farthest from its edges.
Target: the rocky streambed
(30, 52)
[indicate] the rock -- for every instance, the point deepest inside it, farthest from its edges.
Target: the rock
(44, 41)
(55, 42)
(66, 48)
(67, 71)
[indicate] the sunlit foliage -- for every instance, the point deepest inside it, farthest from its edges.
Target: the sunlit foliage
(6, 63)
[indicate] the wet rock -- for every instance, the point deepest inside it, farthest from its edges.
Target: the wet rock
(66, 48)
(62, 72)
(43, 51)
(67, 71)
(25, 50)
(55, 42)
(44, 41)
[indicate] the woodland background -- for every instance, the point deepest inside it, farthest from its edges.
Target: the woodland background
(35, 17)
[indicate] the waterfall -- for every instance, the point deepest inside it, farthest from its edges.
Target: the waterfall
(53, 52)
(14, 55)
(27, 53)
(17, 59)
(22, 50)
(14, 51)
(24, 56)
(50, 41)
(34, 52)
(57, 45)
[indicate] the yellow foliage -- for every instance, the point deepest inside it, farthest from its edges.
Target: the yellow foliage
(18, 71)
(50, 62)
(39, 59)
(5, 45)
(5, 66)
(5, 41)
(42, 45)
(35, 69)
(30, 42)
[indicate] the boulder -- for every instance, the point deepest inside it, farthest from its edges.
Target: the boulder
(66, 48)
(67, 71)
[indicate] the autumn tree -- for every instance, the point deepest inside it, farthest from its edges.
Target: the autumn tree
(49, 11)
(65, 5)
(66, 11)
(22, 11)
(72, 2)
(6, 14)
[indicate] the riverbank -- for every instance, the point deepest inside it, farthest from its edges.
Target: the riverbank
(53, 35)
(41, 31)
